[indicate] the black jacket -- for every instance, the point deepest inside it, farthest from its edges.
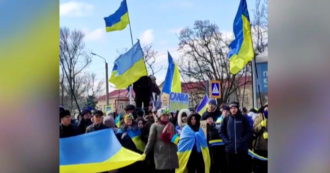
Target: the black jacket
(94, 127)
(83, 124)
(236, 133)
(214, 114)
(143, 88)
(212, 133)
(67, 131)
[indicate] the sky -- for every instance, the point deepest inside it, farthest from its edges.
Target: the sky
(155, 22)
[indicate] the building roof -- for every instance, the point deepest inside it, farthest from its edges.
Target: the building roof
(123, 93)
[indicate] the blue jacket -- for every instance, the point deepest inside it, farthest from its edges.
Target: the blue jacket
(236, 133)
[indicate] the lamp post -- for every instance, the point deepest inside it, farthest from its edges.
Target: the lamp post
(106, 76)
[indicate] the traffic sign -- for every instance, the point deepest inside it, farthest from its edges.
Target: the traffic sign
(215, 89)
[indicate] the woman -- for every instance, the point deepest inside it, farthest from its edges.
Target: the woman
(182, 119)
(165, 157)
(193, 150)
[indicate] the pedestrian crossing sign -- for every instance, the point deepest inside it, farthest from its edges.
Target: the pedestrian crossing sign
(215, 91)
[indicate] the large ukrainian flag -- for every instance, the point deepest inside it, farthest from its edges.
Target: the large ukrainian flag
(118, 20)
(188, 139)
(128, 67)
(172, 80)
(94, 152)
(241, 49)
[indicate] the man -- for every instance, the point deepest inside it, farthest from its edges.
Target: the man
(130, 109)
(66, 129)
(97, 122)
(143, 92)
(236, 133)
(212, 110)
(156, 103)
(85, 121)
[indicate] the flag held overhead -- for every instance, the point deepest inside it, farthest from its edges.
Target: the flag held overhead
(118, 20)
(128, 67)
(241, 49)
(172, 80)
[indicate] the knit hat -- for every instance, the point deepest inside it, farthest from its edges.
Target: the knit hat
(225, 107)
(212, 102)
(234, 104)
(64, 113)
(163, 111)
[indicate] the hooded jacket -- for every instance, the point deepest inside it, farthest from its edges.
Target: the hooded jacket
(236, 133)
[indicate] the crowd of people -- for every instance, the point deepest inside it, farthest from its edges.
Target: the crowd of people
(230, 133)
(175, 141)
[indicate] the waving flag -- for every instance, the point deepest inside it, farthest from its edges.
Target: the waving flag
(128, 67)
(202, 106)
(118, 20)
(188, 139)
(172, 80)
(241, 49)
(94, 152)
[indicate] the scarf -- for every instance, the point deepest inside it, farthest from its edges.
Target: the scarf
(167, 133)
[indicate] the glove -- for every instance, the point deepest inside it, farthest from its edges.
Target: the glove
(265, 135)
(263, 123)
(143, 156)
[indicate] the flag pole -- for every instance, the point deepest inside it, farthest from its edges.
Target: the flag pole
(130, 31)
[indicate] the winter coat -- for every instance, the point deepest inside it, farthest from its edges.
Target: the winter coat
(261, 143)
(67, 131)
(94, 127)
(236, 133)
(165, 156)
(143, 88)
(214, 114)
(212, 132)
(83, 124)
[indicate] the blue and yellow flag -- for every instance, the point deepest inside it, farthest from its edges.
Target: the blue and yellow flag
(172, 80)
(117, 120)
(135, 135)
(241, 49)
(128, 67)
(202, 106)
(118, 20)
(188, 139)
(94, 152)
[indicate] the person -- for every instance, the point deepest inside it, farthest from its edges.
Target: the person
(143, 92)
(97, 122)
(161, 133)
(130, 109)
(85, 121)
(224, 114)
(216, 148)
(193, 151)
(236, 133)
(66, 129)
(109, 121)
(212, 109)
(156, 103)
(182, 119)
(252, 113)
(149, 160)
(261, 145)
(245, 113)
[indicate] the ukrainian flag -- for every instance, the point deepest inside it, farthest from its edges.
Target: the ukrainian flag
(135, 135)
(172, 80)
(128, 67)
(202, 106)
(188, 139)
(118, 20)
(241, 49)
(94, 152)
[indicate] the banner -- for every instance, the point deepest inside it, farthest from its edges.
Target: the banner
(178, 101)
(262, 69)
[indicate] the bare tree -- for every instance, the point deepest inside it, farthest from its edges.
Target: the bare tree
(204, 58)
(73, 60)
(260, 27)
(150, 59)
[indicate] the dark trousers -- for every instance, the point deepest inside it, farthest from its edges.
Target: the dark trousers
(166, 171)
(218, 159)
(195, 163)
(237, 163)
(139, 101)
(259, 165)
